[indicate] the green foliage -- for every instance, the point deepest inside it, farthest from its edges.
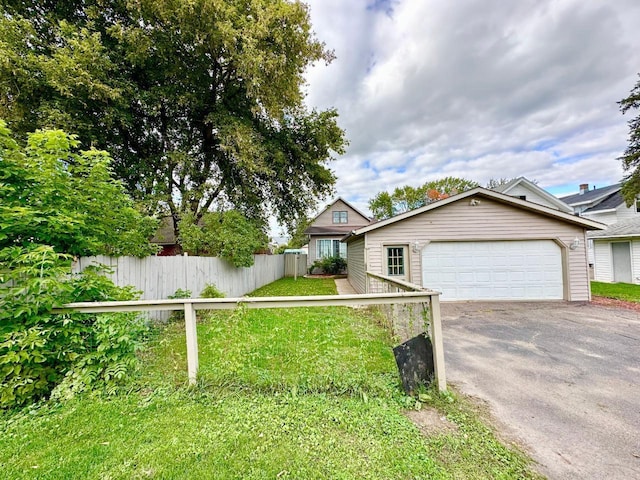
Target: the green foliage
(494, 183)
(180, 293)
(228, 235)
(198, 102)
(40, 351)
(266, 419)
(331, 265)
(53, 194)
(298, 237)
(211, 291)
(402, 199)
(621, 291)
(631, 157)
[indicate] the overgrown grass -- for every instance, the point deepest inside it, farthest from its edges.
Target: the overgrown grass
(294, 393)
(620, 291)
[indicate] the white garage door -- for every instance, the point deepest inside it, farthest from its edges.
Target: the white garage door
(517, 270)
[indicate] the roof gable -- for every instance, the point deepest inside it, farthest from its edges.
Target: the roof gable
(499, 197)
(536, 191)
(337, 204)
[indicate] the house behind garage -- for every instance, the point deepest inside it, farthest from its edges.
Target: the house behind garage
(329, 226)
(478, 245)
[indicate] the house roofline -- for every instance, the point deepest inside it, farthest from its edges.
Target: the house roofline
(552, 199)
(605, 193)
(605, 237)
(369, 219)
(500, 197)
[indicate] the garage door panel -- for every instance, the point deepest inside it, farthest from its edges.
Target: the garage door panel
(499, 270)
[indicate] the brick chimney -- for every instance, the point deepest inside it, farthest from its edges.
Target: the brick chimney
(584, 187)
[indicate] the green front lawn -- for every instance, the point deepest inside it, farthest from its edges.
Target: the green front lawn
(295, 393)
(620, 291)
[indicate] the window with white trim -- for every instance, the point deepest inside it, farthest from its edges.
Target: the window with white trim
(330, 248)
(340, 217)
(395, 261)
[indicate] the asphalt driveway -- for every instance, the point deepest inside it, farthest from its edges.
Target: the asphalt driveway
(562, 379)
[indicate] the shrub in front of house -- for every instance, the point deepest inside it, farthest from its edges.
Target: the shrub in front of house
(329, 265)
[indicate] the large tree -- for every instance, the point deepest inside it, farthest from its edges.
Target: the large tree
(631, 157)
(403, 199)
(199, 102)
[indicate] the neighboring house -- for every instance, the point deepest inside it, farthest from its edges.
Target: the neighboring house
(166, 238)
(617, 252)
(327, 228)
(604, 205)
(478, 245)
(526, 190)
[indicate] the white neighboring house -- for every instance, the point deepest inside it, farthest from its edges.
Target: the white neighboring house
(527, 190)
(615, 252)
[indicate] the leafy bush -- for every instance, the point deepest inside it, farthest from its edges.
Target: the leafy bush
(331, 265)
(229, 235)
(54, 194)
(70, 352)
(211, 291)
(178, 315)
(180, 293)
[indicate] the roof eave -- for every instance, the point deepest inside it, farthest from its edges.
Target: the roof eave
(500, 197)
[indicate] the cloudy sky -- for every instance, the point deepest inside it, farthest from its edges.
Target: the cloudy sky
(476, 89)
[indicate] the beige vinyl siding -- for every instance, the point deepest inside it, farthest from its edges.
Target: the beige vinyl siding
(489, 220)
(355, 265)
(353, 218)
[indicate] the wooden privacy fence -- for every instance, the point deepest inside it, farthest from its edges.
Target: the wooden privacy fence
(295, 265)
(161, 277)
(190, 306)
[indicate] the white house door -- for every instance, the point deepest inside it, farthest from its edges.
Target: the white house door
(621, 254)
(495, 270)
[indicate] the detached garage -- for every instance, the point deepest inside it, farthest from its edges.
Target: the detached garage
(478, 245)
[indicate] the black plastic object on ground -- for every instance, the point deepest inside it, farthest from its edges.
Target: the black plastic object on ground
(415, 362)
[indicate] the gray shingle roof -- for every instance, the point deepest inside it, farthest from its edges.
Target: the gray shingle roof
(591, 195)
(626, 228)
(612, 201)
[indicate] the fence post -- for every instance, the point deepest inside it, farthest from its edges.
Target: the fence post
(436, 341)
(192, 341)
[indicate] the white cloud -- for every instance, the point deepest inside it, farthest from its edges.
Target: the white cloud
(478, 89)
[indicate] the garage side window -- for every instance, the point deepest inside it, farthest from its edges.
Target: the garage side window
(395, 261)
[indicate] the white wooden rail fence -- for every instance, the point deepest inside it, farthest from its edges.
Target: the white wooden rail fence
(382, 284)
(191, 305)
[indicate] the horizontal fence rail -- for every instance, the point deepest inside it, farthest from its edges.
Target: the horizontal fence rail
(191, 305)
(382, 283)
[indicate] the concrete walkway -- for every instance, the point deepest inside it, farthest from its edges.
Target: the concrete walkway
(344, 287)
